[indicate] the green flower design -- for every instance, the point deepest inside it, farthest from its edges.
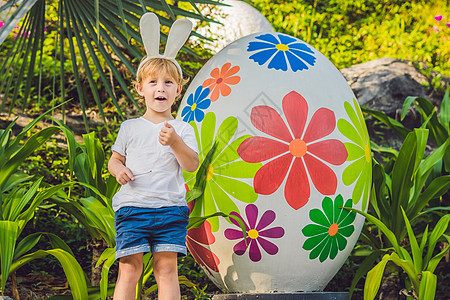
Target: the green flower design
(223, 184)
(359, 152)
(333, 226)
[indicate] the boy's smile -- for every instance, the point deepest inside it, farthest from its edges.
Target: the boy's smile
(159, 91)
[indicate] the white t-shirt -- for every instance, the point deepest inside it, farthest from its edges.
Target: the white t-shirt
(158, 176)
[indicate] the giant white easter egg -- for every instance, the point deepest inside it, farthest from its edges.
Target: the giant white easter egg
(291, 150)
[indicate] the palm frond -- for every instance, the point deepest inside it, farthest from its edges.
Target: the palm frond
(97, 46)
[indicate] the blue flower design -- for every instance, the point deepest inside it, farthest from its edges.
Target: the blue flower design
(281, 49)
(196, 103)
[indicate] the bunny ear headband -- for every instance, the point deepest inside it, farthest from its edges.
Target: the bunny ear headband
(178, 35)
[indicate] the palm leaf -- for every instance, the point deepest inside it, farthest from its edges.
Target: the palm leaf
(8, 236)
(365, 267)
(31, 145)
(99, 37)
(405, 167)
(71, 267)
(15, 18)
(427, 288)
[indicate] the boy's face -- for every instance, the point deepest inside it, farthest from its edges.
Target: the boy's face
(159, 91)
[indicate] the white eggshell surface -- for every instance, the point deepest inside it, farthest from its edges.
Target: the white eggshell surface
(291, 149)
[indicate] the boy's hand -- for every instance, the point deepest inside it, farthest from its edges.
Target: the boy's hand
(124, 176)
(167, 135)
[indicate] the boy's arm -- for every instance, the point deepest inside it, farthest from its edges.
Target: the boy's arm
(186, 157)
(116, 167)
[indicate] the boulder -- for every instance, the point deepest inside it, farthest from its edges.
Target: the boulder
(383, 84)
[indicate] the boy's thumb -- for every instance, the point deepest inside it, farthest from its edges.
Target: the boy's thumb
(166, 124)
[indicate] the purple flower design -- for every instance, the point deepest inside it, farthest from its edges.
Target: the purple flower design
(256, 234)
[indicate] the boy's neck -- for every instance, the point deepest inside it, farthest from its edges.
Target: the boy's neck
(156, 117)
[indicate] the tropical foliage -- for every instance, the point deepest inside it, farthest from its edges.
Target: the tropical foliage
(20, 195)
(88, 50)
(402, 189)
(96, 42)
(419, 266)
(356, 31)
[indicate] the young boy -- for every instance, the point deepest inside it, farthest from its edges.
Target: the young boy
(147, 160)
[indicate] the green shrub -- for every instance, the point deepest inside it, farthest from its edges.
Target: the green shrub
(355, 31)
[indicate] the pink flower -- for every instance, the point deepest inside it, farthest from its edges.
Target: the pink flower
(438, 17)
(435, 28)
(1, 24)
(448, 24)
(257, 233)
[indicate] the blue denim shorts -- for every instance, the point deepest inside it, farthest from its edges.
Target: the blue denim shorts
(156, 229)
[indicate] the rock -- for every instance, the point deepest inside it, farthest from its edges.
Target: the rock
(383, 84)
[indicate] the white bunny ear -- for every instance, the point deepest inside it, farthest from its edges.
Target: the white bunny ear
(149, 25)
(178, 35)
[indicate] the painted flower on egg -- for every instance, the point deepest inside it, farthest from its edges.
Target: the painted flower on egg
(223, 182)
(360, 170)
(257, 233)
(298, 156)
(198, 241)
(221, 79)
(281, 50)
(332, 226)
(196, 103)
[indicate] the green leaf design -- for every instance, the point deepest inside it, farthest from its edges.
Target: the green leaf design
(222, 181)
(351, 173)
(330, 229)
(314, 229)
(314, 241)
(317, 216)
(238, 169)
(354, 152)
(238, 189)
(349, 131)
(360, 170)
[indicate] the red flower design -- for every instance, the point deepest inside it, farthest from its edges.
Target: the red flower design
(198, 241)
(220, 80)
(295, 155)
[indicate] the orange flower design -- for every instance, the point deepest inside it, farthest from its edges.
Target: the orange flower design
(220, 81)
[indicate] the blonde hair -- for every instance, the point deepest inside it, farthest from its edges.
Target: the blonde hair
(157, 65)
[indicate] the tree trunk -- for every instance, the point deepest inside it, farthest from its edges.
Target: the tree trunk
(15, 291)
(391, 284)
(98, 246)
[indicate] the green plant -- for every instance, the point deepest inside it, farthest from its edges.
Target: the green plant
(438, 126)
(356, 31)
(20, 196)
(97, 34)
(408, 180)
(93, 209)
(417, 264)
(399, 187)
